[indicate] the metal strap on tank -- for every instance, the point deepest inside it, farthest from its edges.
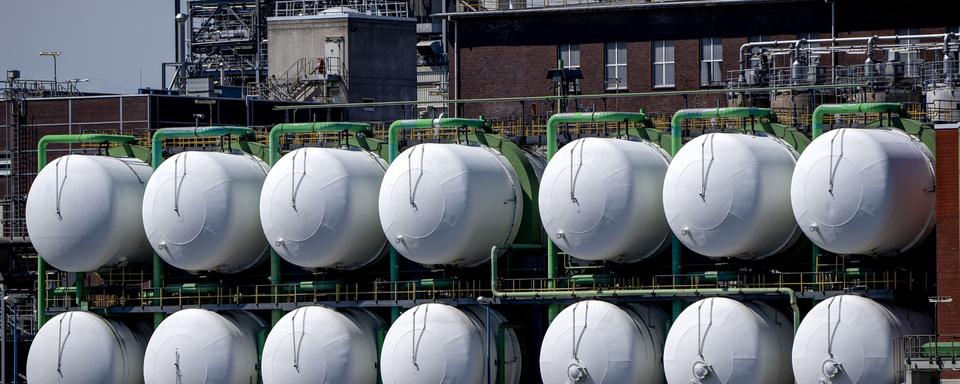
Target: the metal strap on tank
(575, 175)
(176, 365)
(705, 168)
(701, 369)
(415, 341)
(833, 168)
(832, 335)
(135, 174)
(303, 332)
(59, 184)
(256, 160)
(178, 182)
(294, 183)
(62, 340)
(578, 339)
(411, 187)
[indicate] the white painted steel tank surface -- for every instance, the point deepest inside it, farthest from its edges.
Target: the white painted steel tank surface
(723, 341)
(200, 211)
(449, 204)
(322, 345)
(594, 342)
(83, 348)
(851, 340)
(728, 195)
(601, 199)
(195, 346)
(318, 208)
(437, 343)
(865, 191)
(83, 212)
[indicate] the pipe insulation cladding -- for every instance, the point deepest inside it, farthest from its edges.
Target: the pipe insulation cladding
(447, 204)
(200, 211)
(602, 199)
(318, 208)
(598, 342)
(865, 191)
(83, 348)
(728, 195)
(437, 343)
(83, 212)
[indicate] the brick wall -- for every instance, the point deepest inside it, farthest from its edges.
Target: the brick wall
(948, 247)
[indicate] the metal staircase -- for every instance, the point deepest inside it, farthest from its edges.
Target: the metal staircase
(306, 80)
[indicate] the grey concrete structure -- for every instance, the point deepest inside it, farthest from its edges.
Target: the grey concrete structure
(348, 57)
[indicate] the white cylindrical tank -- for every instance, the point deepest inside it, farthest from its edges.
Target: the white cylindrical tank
(200, 211)
(322, 345)
(83, 212)
(437, 343)
(200, 346)
(865, 191)
(449, 204)
(728, 195)
(601, 199)
(723, 341)
(597, 342)
(851, 339)
(318, 208)
(83, 348)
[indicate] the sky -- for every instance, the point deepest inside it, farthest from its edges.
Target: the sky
(118, 44)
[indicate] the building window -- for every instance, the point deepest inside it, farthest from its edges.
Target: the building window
(570, 54)
(711, 60)
(663, 64)
(616, 66)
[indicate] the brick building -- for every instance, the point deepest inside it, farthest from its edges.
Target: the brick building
(657, 47)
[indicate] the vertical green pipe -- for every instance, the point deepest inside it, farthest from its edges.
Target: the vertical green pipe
(553, 126)
(261, 341)
(156, 158)
(816, 129)
(42, 162)
(274, 156)
(393, 150)
(381, 335)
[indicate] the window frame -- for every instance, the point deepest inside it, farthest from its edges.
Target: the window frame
(619, 66)
(704, 61)
(566, 54)
(664, 63)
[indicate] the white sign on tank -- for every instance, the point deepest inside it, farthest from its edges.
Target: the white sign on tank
(601, 199)
(200, 211)
(318, 208)
(83, 212)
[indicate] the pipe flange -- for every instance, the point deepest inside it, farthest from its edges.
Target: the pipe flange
(576, 373)
(831, 368)
(701, 370)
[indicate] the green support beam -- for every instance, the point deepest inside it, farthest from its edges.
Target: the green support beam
(274, 155)
(156, 158)
(42, 162)
(553, 127)
(393, 150)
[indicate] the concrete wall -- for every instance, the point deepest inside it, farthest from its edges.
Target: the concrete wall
(379, 57)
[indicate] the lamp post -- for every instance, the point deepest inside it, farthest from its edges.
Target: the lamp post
(54, 55)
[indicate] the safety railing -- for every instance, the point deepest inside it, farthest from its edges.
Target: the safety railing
(928, 353)
(297, 8)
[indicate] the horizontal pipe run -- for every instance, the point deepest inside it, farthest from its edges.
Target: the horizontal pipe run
(668, 293)
(280, 129)
(816, 125)
(156, 144)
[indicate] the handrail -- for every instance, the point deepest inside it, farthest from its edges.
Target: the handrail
(816, 125)
(393, 150)
(553, 125)
(42, 162)
(669, 293)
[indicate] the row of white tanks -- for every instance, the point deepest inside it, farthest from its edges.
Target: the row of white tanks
(852, 191)
(844, 339)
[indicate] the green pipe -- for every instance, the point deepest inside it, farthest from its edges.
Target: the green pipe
(261, 342)
(381, 335)
(42, 162)
(274, 156)
(393, 150)
(659, 293)
(816, 126)
(156, 158)
(816, 129)
(553, 126)
(676, 142)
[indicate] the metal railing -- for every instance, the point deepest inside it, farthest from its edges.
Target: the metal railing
(296, 8)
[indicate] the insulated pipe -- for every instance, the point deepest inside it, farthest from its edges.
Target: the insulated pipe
(393, 150)
(156, 157)
(651, 293)
(274, 156)
(676, 135)
(553, 125)
(743, 48)
(42, 162)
